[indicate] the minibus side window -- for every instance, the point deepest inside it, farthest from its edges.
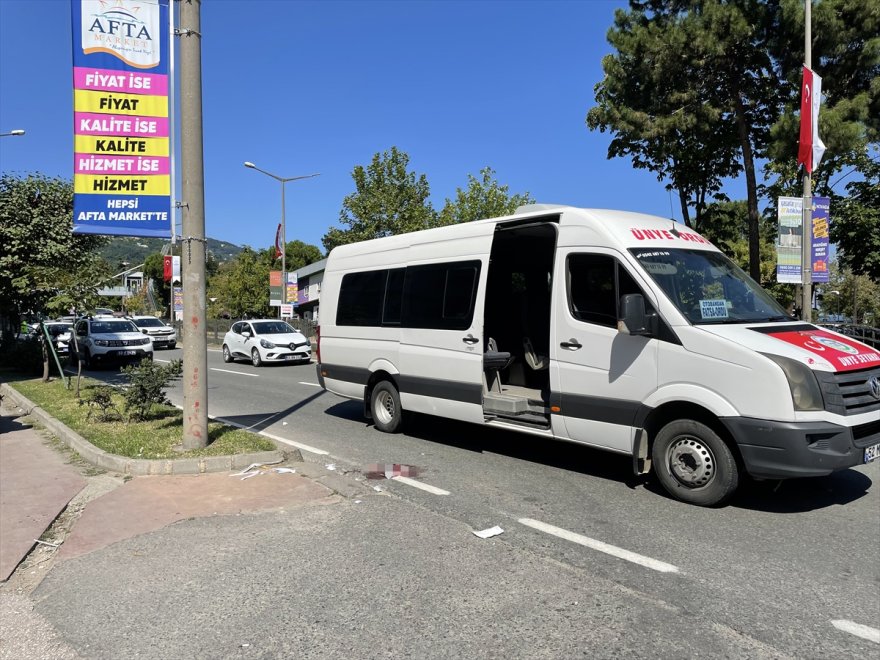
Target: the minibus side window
(591, 289)
(440, 296)
(393, 297)
(595, 284)
(360, 298)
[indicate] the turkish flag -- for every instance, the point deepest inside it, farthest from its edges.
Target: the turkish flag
(810, 146)
(278, 251)
(167, 268)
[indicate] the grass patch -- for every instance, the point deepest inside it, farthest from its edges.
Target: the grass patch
(154, 437)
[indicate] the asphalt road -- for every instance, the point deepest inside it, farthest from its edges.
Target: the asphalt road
(787, 569)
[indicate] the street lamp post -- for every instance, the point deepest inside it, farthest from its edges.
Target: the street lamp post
(837, 315)
(17, 131)
(283, 180)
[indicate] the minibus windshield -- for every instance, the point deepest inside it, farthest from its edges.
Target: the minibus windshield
(708, 287)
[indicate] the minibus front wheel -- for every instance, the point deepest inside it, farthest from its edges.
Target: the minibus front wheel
(385, 407)
(694, 464)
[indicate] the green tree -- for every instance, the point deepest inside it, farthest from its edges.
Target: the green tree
(241, 286)
(41, 261)
(299, 254)
(692, 94)
(388, 200)
(484, 198)
(855, 223)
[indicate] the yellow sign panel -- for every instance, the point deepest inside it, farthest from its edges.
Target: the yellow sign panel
(88, 184)
(119, 104)
(120, 146)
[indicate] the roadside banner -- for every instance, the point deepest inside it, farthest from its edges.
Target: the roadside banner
(177, 293)
(274, 288)
(292, 288)
(789, 213)
(821, 224)
(122, 156)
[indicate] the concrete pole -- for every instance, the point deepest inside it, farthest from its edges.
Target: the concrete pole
(193, 248)
(283, 253)
(807, 231)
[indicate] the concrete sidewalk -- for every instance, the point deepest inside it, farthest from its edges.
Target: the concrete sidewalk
(36, 484)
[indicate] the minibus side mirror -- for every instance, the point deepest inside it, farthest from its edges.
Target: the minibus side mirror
(633, 318)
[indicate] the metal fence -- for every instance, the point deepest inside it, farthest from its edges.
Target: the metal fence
(217, 328)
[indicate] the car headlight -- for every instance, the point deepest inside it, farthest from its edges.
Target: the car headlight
(805, 392)
(266, 344)
(102, 342)
(145, 340)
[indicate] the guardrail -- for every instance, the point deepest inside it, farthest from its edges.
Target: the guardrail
(864, 333)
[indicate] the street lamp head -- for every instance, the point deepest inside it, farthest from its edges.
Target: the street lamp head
(249, 164)
(17, 131)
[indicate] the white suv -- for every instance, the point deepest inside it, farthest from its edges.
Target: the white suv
(162, 334)
(107, 339)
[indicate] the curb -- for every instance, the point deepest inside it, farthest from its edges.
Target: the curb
(138, 466)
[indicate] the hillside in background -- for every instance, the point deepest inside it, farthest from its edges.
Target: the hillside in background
(133, 250)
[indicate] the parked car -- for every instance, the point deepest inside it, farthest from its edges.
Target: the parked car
(106, 339)
(265, 340)
(60, 332)
(162, 334)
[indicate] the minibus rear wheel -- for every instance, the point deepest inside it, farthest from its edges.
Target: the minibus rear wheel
(385, 407)
(694, 464)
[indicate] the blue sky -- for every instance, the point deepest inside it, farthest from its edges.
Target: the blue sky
(303, 87)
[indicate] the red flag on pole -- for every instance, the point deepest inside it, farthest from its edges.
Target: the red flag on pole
(278, 242)
(810, 147)
(167, 267)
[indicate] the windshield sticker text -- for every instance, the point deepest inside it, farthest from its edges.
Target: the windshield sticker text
(713, 309)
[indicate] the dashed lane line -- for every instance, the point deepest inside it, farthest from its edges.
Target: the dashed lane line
(240, 373)
(614, 551)
(857, 629)
(421, 486)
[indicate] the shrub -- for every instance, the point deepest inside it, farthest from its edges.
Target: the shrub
(146, 385)
(100, 397)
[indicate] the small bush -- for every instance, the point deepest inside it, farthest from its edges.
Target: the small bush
(146, 385)
(100, 397)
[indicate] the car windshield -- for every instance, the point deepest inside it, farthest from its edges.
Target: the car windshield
(101, 327)
(707, 287)
(149, 323)
(272, 328)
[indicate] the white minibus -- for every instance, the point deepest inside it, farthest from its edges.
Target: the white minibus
(620, 331)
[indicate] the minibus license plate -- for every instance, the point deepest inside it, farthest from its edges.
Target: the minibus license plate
(872, 453)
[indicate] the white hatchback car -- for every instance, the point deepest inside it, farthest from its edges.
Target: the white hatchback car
(265, 340)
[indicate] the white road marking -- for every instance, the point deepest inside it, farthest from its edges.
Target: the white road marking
(240, 373)
(857, 629)
(418, 484)
(298, 445)
(302, 382)
(158, 360)
(612, 550)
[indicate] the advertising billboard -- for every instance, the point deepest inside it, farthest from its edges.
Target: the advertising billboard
(122, 155)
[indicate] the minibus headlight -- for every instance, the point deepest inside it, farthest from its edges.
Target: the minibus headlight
(805, 392)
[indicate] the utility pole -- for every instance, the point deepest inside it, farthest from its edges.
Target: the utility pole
(193, 244)
(807, 223)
